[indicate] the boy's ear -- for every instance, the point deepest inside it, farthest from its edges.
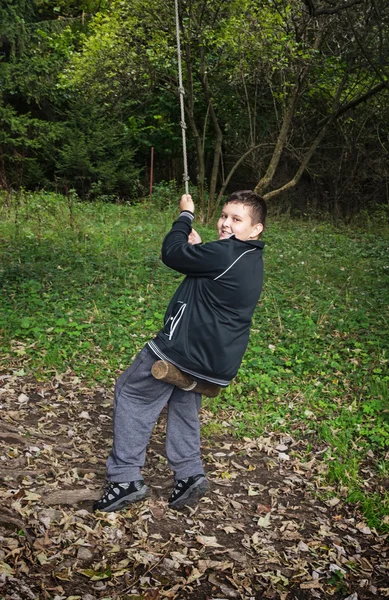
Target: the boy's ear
(257, 230)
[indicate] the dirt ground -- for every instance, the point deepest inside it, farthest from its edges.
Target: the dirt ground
(263, 531)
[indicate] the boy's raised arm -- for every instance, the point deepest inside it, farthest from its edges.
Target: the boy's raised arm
(190, 259)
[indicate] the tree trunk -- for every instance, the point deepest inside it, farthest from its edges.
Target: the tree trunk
(337, 112)
(228, 178)
(293, 182)
(267, 179)
(218, 132)
(3, 174)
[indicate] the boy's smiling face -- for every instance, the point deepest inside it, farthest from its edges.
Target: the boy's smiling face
(236, 220)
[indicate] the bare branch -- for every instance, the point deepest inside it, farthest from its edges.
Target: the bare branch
(340, 6)
(312, 149)
(216, 126)
(289, 113)
(230, 174)
(354, 103)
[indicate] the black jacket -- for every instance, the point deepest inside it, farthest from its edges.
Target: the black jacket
(207, 322)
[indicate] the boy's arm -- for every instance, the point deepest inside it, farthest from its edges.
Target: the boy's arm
(190, 259)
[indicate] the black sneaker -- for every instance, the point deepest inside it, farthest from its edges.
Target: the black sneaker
(117, 495)
(187, 492)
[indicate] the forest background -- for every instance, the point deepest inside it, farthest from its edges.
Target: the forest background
(288, 97)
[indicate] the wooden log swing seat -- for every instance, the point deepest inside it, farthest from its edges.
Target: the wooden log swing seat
(165, 371)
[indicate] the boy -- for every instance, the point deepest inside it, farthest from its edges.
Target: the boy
(205, 334)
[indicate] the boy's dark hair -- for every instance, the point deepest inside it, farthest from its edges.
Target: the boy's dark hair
(255, 203)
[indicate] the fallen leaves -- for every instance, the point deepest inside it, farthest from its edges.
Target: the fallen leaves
(6, 569)
(264, 521)
(95, 575)
(261, 532)
(208, 541)
(262, 508)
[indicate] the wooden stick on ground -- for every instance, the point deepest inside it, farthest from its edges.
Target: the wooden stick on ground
(165, 371)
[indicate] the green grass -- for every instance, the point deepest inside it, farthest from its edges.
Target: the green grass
(82, 288)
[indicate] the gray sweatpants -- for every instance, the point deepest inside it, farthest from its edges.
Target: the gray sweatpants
(139, 400)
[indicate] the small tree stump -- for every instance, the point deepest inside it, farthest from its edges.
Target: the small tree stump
(165, 371)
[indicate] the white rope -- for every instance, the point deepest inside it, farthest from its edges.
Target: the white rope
(182, 93)
(190, 387)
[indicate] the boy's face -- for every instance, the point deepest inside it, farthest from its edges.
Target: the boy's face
(236, 220)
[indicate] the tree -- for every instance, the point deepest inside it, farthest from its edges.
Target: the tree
(271, 88)
(339, 43)
(132, 53)
(95, 154)
(36, 40)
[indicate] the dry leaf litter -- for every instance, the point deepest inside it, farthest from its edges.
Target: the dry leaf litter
(262, 531)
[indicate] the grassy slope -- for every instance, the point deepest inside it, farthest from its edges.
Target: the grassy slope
(82, 288)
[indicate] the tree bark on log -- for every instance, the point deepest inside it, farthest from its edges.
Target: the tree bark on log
(164, 371)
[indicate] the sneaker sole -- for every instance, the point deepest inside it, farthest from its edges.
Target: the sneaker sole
(123, 502)
(192, 494)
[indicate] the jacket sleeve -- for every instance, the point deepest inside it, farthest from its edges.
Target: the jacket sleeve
(196, 260)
